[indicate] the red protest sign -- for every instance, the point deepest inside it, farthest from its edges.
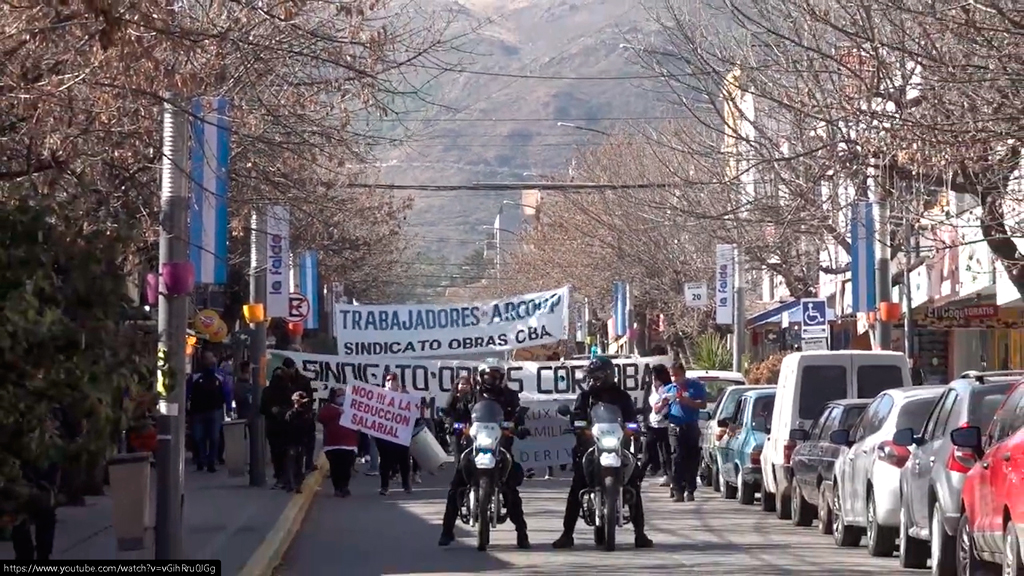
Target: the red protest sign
(380, 413)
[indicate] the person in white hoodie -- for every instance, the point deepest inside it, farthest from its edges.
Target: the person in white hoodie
(655, 411)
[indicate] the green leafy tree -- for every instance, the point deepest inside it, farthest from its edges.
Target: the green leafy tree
(62, 342)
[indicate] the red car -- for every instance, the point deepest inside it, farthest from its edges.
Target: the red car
(992, 523)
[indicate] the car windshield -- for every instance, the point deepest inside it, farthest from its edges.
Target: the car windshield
(717, 386)
(985, 400)
(914, 413)
(726, 407)
(850, 416)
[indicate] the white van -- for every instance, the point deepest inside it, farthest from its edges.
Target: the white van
(807, 381)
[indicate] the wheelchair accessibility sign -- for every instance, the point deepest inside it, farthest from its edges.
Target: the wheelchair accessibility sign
(813, 319)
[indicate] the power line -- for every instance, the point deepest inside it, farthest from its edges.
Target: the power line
(508, 186)
(551, 120)
(545, 76)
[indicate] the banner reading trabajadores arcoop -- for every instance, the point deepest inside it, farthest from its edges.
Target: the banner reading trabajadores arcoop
(423, 330)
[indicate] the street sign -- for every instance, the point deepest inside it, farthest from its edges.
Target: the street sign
(814, 345)
(696, 294)
(813, 319)
(298, 307)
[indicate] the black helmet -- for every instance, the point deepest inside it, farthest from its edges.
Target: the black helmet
(601, 372)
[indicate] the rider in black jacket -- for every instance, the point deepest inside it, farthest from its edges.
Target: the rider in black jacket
(460, 405)
(603, 388)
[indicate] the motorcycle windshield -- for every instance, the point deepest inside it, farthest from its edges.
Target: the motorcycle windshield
(487, 411)
(603, 413)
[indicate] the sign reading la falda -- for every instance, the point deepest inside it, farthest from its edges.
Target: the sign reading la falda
(433, 379)
(380, 413)
(421, 330)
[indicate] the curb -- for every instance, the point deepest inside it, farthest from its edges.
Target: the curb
(271, 551)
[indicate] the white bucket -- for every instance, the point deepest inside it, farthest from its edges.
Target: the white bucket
(427, 452)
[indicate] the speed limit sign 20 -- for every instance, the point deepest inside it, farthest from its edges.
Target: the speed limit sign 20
(696, 294)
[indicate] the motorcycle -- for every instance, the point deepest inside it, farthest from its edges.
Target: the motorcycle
(486, 466)
(607, 466)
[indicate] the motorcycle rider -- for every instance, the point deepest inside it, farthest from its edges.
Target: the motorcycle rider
(491, 386)
(602, 388)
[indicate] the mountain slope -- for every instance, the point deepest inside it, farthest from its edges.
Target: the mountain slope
(469, 136)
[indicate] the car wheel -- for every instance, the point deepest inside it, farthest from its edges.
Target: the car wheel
(881, 539)
(783, 504)
(967, 561)
(728, 490)
(913, 552)
(843, 535)
(824, 512)
(745, 490)
(716, 480)
(943, 546)
(767, 499)
(801, 513)
(1011, 552)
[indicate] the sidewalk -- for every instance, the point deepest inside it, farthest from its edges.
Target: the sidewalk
(225, 519)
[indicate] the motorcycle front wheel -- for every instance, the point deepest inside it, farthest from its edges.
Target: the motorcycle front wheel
(483, 521)
(611, 511)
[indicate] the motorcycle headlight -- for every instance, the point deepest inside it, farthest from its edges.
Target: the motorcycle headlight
(609, 442)
(485, 441)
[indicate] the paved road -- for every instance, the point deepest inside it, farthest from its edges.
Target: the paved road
(370, 535)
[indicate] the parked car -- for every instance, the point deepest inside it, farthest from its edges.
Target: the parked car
(724, 409)
(808, 381)
(814, 461)
(739, 452)
(992, 499)
(866, 486)
(932, 480)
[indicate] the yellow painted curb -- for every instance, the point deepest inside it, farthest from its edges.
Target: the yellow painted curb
(271, 551)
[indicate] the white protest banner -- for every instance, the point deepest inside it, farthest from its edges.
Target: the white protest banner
(380, 413)
(548, 443)
(425, 330)
(433, 379)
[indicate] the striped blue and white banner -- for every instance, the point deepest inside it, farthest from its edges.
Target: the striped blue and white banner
(306, 281)
(209, 155)
(862, 257)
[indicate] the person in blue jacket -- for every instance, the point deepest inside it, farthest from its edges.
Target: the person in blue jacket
(686, 398)
(208, 396)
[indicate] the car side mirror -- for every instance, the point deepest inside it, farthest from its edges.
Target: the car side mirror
(760, 424)
(839, 437)
(564, 410)
(969, 437)
(704, 416)
(799, 435)
(906, 438)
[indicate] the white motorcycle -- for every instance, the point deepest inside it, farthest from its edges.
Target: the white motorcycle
(607, 466)
(486, 466)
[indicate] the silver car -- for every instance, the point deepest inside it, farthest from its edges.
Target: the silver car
(931, 481)
(866, 489)
(724, 409)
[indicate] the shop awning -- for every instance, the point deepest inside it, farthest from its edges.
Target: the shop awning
(791, 310)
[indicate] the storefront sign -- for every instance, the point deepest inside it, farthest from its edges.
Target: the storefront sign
(964, 313)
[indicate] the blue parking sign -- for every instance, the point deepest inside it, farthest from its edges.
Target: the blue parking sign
(813, 319)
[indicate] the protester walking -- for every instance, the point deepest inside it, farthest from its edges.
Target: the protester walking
(393, 456)
(298, 420)
(274, 405)
(689, 397)
(655, 411)
(243, 390)
(340, 443)
(207, 396)
(301, 383)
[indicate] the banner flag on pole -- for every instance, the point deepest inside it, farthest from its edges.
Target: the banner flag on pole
(209, 157)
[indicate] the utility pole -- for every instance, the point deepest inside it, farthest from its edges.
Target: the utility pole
(739, 311)
(883, 274)
(908, 305)
(258, 349)
(172, 321)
